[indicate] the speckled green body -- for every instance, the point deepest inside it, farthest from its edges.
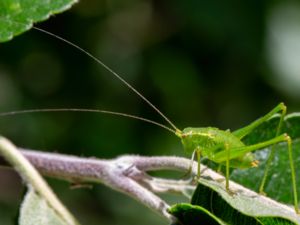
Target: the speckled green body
(211, 140)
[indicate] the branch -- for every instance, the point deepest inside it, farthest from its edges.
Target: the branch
(127, 174)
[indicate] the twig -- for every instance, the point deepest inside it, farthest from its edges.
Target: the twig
(127, 174)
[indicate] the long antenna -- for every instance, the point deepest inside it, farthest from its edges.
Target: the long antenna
(86, 110)
(111, 71)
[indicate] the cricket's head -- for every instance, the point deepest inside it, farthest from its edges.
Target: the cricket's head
(178, 133)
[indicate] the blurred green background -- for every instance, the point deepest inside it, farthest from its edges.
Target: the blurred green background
(203, 63)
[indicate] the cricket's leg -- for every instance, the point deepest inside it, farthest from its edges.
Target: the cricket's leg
(289, 143)
(198, 152)
(227, 166)
(293, 175)
(189, 171)
(236, 152)
(271, 155)
(240, 133)
(222, 156)
(219, 170)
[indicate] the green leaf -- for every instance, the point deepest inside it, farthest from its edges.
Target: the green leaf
(238, 209)
(278, 184)
(35, 210)
(18, 16)
(189, 214)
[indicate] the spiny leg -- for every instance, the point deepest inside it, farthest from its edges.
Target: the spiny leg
(237, 152)
(227, 166)
(240, 133)
(292, 167)
(272, 154)
(227, 149)
(222, 156)
(289, 142)
(189, 171)
(293, 175)
(246, 130)
(219, 170)
(198, 152)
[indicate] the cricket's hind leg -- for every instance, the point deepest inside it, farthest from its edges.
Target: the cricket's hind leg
(246, 130)
(223, 156)
(289, 143)
(281, 107)
(292, 167)
(242, 132)
(272, 153)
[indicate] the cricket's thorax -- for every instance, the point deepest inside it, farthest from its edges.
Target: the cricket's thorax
(208, 138)
(211, 140)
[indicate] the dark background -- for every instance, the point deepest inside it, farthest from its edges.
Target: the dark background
(203, 63)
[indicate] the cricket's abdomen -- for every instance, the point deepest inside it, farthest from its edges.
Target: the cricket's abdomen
(211, 140)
